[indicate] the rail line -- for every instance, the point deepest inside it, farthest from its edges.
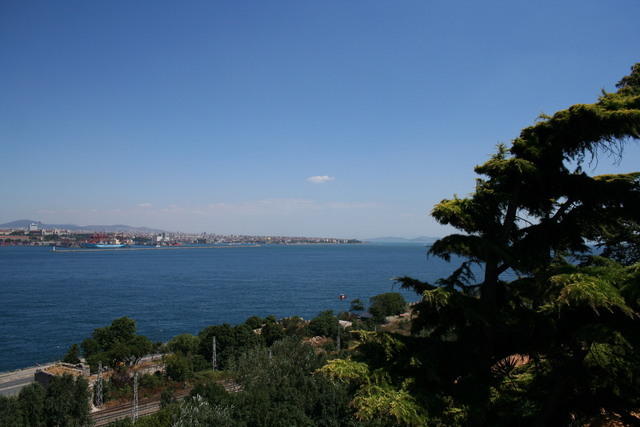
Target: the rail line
(147, 407)
(106, 416)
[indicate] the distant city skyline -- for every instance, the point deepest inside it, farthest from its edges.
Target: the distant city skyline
(344, 119)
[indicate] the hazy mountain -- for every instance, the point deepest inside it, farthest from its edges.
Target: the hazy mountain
(421, 239)
(21, 223)
(24, 223)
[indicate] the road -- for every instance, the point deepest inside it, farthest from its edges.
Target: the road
(12, 382)
(11, 388)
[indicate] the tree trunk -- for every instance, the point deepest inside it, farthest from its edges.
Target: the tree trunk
(489, 288)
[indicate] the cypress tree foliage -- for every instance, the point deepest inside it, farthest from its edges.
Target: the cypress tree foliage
(622, 243)
(560, 342)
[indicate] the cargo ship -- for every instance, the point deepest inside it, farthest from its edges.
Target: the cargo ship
(103, 245)
(103, 241)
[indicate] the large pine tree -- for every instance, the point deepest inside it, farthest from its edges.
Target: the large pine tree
(559, 343)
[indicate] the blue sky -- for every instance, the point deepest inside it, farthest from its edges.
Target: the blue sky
(213, 115)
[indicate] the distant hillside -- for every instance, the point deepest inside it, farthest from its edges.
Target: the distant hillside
(421, 239)
(24, 223)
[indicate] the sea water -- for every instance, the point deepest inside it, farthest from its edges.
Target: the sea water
(50, 300)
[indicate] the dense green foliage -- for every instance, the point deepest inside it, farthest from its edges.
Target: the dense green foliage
(186, 344)
(325, 324)
(116, 345)
(559, 343)
(64, 402)
(272, 332)
(230, 340)
(73, 355)
(279, 388)
(356, 305)
(387, 304)
(622, 242)
(254, 322)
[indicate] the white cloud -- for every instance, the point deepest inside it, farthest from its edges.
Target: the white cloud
(144, 205)
(320, 179)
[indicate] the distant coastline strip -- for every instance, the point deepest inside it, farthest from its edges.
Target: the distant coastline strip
(154, 248)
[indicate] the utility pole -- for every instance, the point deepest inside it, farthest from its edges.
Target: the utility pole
(214, 360)
(134, 416)
(97, 389)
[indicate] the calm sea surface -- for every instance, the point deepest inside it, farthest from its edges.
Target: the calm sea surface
(49, 300)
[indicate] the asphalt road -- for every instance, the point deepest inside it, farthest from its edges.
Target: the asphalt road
(11, 388)
(12, 382)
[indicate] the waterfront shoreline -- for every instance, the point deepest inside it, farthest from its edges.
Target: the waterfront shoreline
(152, 248)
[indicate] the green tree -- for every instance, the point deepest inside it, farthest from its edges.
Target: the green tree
(245, 338)
(73, 355)
(67, 402)
(186, 344)
(325, 324)
(116, 345)
(356, 305)
(230, 342)
(272, 332)
(90, 347)
(387, 304)
(622, 242)
(11, 412)
(64, 402)
(554, 344)
(280, 388)
(178, 367)
(254, 322)
(225, 341)
(32, 400)
(294, 326)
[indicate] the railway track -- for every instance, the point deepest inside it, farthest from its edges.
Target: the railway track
(147, 407)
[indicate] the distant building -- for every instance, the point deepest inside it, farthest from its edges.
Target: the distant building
(34, 227)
